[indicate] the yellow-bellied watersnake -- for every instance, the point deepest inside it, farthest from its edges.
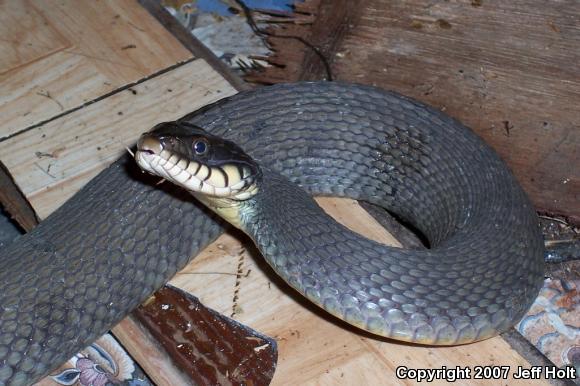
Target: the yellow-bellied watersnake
(120, 238)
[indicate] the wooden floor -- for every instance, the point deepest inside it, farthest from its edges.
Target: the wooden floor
(52, 160)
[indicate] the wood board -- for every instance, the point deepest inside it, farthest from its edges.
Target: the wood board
(57, 55)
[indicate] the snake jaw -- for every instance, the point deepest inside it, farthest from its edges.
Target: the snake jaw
(185, 177)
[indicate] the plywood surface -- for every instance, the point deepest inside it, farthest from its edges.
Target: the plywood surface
(51, 162)
(57, 55)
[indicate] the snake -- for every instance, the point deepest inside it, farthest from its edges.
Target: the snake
(254, 160)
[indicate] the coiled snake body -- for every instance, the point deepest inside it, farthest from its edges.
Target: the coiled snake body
(120, 238)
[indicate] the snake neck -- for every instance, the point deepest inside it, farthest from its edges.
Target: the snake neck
(279, 215)
(267, 209)
(232, 211)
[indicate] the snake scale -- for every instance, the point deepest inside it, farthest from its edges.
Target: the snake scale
(121, 237)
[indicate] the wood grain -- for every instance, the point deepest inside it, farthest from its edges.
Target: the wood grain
(51, 162)
(74, 51)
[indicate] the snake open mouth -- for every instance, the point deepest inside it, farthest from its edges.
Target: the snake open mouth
(201, 163)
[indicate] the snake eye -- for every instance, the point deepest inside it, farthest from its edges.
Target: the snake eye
(200, 147)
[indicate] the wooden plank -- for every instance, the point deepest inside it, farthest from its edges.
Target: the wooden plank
(51, 162)
(286, 38)
(26, 36)
(74, 51)
(315, 348)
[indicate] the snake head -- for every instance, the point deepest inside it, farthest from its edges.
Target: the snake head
(202, 163)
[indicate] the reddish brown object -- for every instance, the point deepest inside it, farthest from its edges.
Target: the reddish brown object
(506, 69)
(210, 348)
